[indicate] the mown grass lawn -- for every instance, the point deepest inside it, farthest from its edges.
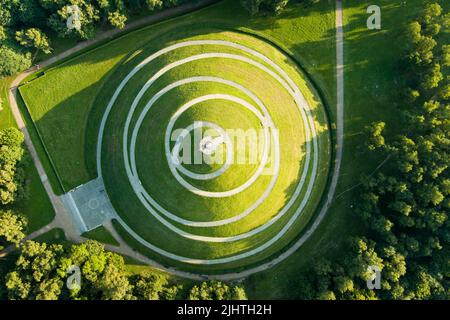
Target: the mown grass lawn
(140, 220)
(101, 234)
(55, 235)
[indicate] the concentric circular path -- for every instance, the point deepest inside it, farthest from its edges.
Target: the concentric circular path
(243, 242)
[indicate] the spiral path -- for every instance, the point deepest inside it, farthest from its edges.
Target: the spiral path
(190, 229)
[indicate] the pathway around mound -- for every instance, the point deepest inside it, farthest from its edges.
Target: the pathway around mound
(62, 217)
(287, 83)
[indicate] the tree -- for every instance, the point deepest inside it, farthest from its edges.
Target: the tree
(446, 55)
(375, 133)
(11, 137)
(154, 4)
(251, 6)
(5, 12)
(412, 95)
(238, 293)
(117, 19)
(3, 35)
(327, 295)
(432, 29)
(34, 275)
(11, 170)
(34, 38)
(103, 272)
(172, 3)
(49, 289)
(41, 270)
(114, 11)
(17, 287)
(422, 53)
(152, 286)
(12, 226)
(89, 15)
(430, 13)
(12, 61)
(275, 6)
(432, 77)
(407, 205)
(215, 290)
(413, 32)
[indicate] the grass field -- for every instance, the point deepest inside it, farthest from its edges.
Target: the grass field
(53, 236)
(6, 117)
(101, 235)
(308, 36)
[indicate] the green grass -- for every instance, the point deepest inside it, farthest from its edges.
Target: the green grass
(6, 264)
(101, 234)
(154, 166)
(55, 235)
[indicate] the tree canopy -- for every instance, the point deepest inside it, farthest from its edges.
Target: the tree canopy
(41, 272)
(11, 165)
(28, 25)
(215, 290)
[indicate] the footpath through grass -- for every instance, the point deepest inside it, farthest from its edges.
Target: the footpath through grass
(36, 205)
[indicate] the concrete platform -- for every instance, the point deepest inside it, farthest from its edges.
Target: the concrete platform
(89, 205)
